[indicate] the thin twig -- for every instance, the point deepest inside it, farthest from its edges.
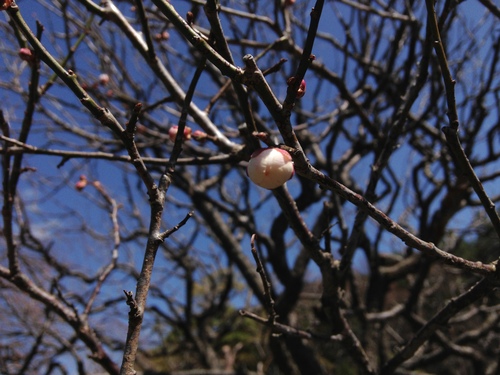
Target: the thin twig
(290, 331)
(145, 28)
(265, 282)
(155, 236)
(306, 57)
(106, 271)
(174, 229)
(179, 138)
(451, 131)
(21, 148)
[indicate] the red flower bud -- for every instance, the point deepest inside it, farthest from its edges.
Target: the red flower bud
(82, 182)
(302, 89)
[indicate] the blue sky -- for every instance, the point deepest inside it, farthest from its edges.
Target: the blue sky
(59, 214)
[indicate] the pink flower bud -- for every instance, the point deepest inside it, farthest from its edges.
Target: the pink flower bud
(270, 167)
(26, 55)
(82, 182)
(199, 136)
(172, 133)
(162, 36)
(302, 89)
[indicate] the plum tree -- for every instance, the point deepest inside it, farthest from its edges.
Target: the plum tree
(134, 241)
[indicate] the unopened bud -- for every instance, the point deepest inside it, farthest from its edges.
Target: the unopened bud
(270, 167)
(302, 89)
(162, 36)
(82, 182)
(172, 133)
(26, 54)
(103, 79)
(199, 136)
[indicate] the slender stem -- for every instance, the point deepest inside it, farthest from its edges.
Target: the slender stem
(268, 294)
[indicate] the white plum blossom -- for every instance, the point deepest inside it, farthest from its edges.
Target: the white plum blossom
(270, 167)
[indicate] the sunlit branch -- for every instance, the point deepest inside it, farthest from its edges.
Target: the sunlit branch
(68, 76)
(217, 34)
(66, 155)
(113, 14)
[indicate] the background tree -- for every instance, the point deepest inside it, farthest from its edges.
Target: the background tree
(127, 127)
